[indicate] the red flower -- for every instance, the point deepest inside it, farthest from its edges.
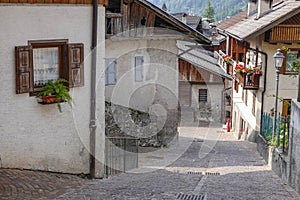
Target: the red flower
(226, 58)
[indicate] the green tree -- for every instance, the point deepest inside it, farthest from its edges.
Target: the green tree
(209, 12)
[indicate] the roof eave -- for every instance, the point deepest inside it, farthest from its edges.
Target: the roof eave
(273, 24)
(176, 21)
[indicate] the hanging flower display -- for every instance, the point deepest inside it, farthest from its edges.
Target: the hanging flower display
(226, 58)
(240, 68)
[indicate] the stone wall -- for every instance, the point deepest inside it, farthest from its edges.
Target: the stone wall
(121, 121)
(286, 166)
(294, 147)
(262, 147)
(280, 164)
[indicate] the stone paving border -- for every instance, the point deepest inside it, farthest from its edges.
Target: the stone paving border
(26, 184)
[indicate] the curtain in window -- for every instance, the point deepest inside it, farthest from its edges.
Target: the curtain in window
(45, 65)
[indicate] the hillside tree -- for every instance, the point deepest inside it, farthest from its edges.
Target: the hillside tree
(209, 12)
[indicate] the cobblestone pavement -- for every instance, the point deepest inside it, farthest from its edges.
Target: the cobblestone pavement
(214, 166)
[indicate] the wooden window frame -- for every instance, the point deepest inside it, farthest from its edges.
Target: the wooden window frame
(285, 108)
(38, 44)
(71, 64)
(283, 68)
(236, 86)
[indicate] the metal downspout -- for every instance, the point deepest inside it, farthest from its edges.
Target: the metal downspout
(93, 125)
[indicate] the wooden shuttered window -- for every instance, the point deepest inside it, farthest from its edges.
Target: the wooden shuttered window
(24, 69)
(71, 66)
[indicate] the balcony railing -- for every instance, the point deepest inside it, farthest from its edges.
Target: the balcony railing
(226, 66)
(250, 82)
(285, 33)
(114, 24)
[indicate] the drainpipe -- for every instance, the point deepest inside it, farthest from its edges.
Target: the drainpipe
(93, 125)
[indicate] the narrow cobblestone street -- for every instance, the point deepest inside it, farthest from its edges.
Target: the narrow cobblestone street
(209, 164)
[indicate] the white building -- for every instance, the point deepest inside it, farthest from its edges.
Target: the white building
(253, 37)
(40, 42)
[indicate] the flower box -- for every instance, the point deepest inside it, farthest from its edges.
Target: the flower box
(249, 81)
(48, 99)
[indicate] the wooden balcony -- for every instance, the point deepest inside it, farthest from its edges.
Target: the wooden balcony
(248, 82)
(285, 33)
(114, 24)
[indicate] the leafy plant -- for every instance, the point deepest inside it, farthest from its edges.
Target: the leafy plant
(57, 89)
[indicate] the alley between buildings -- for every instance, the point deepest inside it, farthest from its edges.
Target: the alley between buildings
(203, 163)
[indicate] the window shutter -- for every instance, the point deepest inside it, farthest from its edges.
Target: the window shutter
(24, 70)
(76, 62)
(139, 69)
(110, 71)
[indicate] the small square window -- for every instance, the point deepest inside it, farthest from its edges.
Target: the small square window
(202, 95)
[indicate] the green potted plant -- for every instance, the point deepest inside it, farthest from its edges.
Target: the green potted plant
(55, 92)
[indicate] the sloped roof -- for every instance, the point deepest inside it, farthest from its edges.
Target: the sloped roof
(176, 22)
(248, 28)
(232, 20)
(200, 58)
(192, 21)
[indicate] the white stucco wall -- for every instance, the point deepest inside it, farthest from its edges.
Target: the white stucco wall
(243, 111)
(35, 136)
(160, 67)
(287, 84)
